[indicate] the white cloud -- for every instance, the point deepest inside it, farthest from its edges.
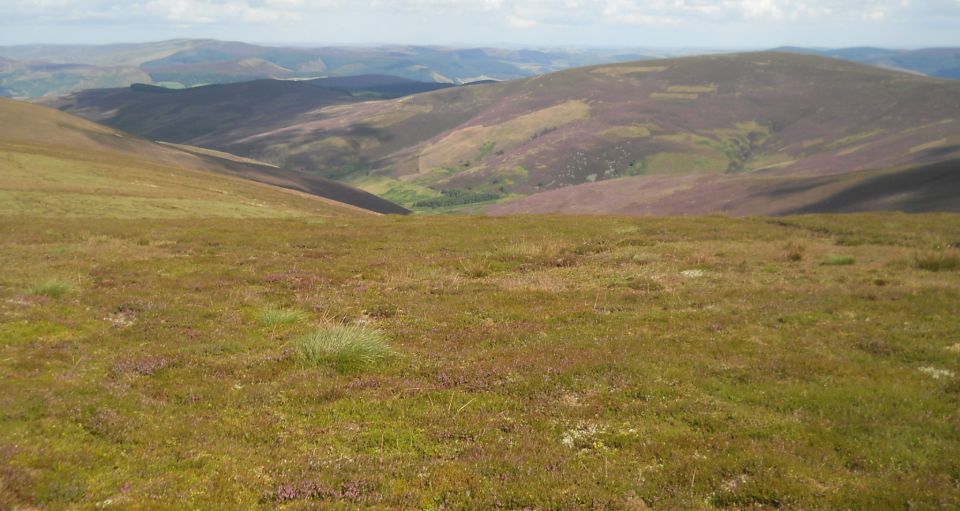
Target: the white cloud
(522, 23)
(678, 11)
(427, 6)
(520, 14)
(666, 12)
(173, 11)
(877, 14)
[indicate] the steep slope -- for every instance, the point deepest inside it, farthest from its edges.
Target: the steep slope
(56, 164)
(208, 114)
(771, 113)
(201, 115)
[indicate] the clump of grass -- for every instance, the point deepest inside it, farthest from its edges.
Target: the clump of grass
(344, 346)
(848, 241)
(937, 260)
(272, 316)
(794, 251)
(839, 260)
(53, 288)
(877, 347)
(645, 284)
(475, 269)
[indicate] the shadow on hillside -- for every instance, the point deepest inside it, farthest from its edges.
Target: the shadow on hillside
(311, 184)
(933, 187)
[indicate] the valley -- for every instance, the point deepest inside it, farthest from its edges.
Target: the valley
(755, 123)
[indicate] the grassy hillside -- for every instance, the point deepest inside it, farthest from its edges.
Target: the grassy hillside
(768, 114)
(57, 165)
(524, 362)
(174, 337)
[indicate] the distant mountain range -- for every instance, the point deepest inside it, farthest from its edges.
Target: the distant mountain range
(35, 71)
(778, 131)
(940, 62)
(50, 70)
(36, 79)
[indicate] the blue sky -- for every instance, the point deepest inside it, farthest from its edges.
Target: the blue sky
(652, 23)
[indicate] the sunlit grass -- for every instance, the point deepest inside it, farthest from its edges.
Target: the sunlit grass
(273, 316)
(937, 260)
(586, 348)
(53, 288)
(839, 260)
(344, 346)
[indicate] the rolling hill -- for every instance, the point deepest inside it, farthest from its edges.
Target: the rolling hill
(939, 62)
(192, 115)
(192, 62)
(37, 79)
(56, 164)
(205, 115)
(747, 115)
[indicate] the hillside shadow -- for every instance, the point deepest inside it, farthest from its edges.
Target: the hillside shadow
(933, 187)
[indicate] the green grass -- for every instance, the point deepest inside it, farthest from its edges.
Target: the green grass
(543, 362)
(857, 137)
(839, 260)
(937, 260)
(686, 163)
(453, 198)
(485, 150)
(344, 346)
(56, 183)
(273, 316)
(403, 193)
(52, 288)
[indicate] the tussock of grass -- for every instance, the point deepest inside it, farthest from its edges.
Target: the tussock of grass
(793, 251)
(838, 260)
(937, 260)
(273, 316)
(475, 268)
(52, 288)
(344, 346)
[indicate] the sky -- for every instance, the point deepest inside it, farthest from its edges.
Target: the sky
(541, 23)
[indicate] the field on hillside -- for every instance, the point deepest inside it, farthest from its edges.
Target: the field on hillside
(530, 362)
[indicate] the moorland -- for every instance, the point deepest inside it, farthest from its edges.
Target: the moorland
(750, 133)
(207, 326)
(522, 362)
